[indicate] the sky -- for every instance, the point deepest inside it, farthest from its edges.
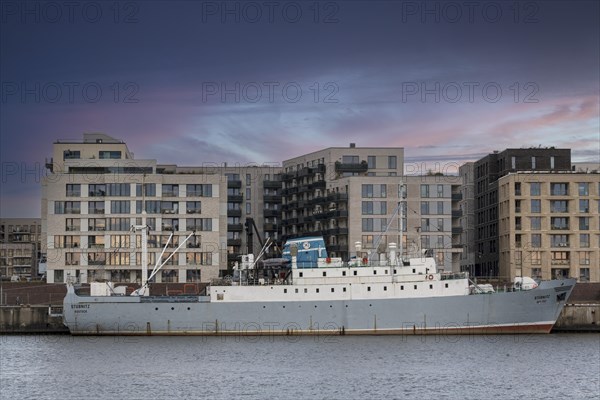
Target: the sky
(244, 82)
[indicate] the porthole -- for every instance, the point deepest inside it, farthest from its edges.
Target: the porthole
(189, 309)
(172, 308)
(330, 306)
(156, 308)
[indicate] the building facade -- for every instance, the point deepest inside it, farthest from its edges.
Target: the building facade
(351, 195)
(549, 225)
(20, 247)
(466, 220)
(487, 171)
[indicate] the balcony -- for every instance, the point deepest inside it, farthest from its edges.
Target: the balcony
(233, 184)
(235, 198)
(272, 198)
(358, 168)
(271, 227)
(272, 184)
(317, 185)
(235, 227)
(337, 197)
(234, 242)
(194, 211)
(234, 212)
(271, 213)
(457, 196)
(168, 211)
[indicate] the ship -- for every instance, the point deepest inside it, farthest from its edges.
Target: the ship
(306, 292)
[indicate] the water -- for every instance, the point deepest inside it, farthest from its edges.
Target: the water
(348, 367)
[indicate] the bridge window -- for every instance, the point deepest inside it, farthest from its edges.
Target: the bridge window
(332, 290)
(343, 273)
(343, 289)
(317, 290)
(368, 288)
(355, 272)
(284, 290)
(401, 287)
(415, 287)
(296, 290)
(374, 272)
(301, 274)
(385, 288)
(430, 286)
(324, 273)
(446, 285)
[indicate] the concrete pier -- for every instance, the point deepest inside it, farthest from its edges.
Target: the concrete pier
(31, 319)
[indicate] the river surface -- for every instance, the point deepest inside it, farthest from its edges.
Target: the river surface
(557, 366)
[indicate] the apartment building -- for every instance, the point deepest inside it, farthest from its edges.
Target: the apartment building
(96, 191)
(549, 225)
(19, 247)
(350, 196)
(466, 219)
(487, 171)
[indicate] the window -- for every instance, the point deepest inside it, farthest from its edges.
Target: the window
(71, 154)
(96, 242)
(350, 160)
(120, 207)
(559, 223)
(425, 225)
(584, 189)
(535, 223)
(199, 224)
(98, 190)
(536, 257)
(559, 257)
(584, 240)
(65, 242)
(169, 190)
(371, 191)
(200, 258)
(533, 162)
(551, 162)
(584, 258)
(513, 162)
(97, 224)
(559, 206)
(535, 189)
(95, 207)
(372, 162)
(121, 224)
(118, 258)
(392, 162)
(167, 207)
(536, 240)
(584, 274)
(424, 208)
(517, 206)
(425, 242)
(559, 240)
(121, 241)
(149, 189)
(559, 189)
(425, 191)
(248, 179)
(440, 190)
(72, 224)
(374, 207)
(73, 190)
(113, 155)
(440, 207)
(518, 240)
(584, 223)
(170, 224)
(536, 206)
(518, 223)
(517, 188)
(193, 207)
(536, 273)
(248, 208)
(118, 189)
(67, 207)
(584, 206)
